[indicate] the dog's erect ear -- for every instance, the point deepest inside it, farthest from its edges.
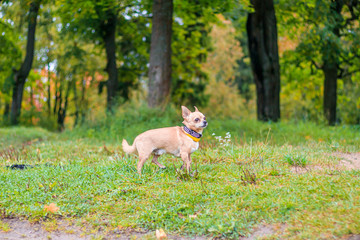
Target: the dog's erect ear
(196, 110)
(185, 111)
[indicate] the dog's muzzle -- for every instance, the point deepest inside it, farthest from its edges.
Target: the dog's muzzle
(204, 124)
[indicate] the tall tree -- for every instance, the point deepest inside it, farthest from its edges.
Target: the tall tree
(332, 53)
(160, 53)
(331, 65)
(263, 49)
(329, 40)
(108, 19)
(21, 74)
(96, 21)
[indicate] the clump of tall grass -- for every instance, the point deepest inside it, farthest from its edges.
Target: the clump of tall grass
(296, 160)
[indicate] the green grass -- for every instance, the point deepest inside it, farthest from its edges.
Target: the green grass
(4, 227)
(16, 136)
(296, 161)
(243, 183)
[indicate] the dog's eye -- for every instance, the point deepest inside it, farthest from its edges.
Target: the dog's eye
(196, 119)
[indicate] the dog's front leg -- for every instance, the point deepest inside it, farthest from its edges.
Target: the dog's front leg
(188, 164)
(185, 157)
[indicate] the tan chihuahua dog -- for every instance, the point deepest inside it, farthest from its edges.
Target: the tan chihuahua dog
(178, 141)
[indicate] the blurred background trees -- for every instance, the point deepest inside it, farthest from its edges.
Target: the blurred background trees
(63, 62)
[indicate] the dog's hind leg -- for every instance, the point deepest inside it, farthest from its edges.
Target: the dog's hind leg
(142, 160)
(154, 160)
(144, 154)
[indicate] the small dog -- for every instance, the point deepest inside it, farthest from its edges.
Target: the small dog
(178, 141)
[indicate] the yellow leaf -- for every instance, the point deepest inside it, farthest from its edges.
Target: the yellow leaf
(51, 208)
(160, 234)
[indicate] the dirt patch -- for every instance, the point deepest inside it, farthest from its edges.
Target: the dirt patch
(354, 237)
(62, 230)
(349, 161)
(310, 168)
(265, 230)
(22, 229)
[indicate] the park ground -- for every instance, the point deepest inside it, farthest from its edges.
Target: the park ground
(254, 181)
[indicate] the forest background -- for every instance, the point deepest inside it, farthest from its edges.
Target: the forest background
(91, 58)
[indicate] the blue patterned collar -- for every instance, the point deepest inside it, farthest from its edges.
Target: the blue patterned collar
(192, 132)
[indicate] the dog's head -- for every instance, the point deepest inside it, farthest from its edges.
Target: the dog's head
(194, 120)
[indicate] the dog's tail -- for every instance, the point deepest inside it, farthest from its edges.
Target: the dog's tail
(127, 148)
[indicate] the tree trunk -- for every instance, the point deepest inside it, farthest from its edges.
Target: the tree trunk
(32, 105)
(330, 70)
(109, 28)
(263, 49)
(83, 101)
(76, 102)
(63, 109)
(56, 92)
(330, 66)
(160, 53)
(49, 90)
(21, 75)
(6, 111)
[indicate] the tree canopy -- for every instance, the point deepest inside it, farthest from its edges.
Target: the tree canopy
(90, 56)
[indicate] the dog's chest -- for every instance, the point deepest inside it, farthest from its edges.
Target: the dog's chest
(194, 147)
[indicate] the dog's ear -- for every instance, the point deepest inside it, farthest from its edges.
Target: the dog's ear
(196, 110)
(185, 111)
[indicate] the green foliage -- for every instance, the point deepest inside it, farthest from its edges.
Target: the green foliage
(134, 36)
(10, 57)
(321, 34)
(243, 78)
(190, 45)
(69, 42)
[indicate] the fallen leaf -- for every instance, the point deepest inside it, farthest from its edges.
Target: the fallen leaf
(160, 234)
(51, 208)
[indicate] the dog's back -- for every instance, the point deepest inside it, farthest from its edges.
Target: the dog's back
(160, 138)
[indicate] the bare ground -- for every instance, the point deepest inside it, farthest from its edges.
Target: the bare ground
(23, 229)
(264, 230)
(350, 161)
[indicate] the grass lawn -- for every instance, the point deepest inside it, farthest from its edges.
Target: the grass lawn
(285, 176)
